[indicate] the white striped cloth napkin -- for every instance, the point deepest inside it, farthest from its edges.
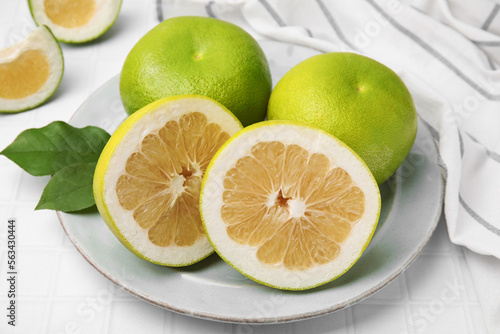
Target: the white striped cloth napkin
(447, 54)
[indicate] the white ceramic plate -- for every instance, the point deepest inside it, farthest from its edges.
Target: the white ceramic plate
(411, 205)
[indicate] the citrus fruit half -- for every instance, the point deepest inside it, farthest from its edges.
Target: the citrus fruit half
(198, 55)
(148, 177)
(30, 71)
(288, 205)
(76, 21)
(355, 98)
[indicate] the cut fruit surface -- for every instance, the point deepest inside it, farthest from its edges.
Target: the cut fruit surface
(30, 71)
(288, 205)
(148, 178)
(76, 21)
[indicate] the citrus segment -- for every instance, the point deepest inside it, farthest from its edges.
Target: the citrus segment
(289, 206)
(287, 220)
(148, 178)
(169, 188)
(35, 63)
(75, 21)
(69, 13)
(32, 68)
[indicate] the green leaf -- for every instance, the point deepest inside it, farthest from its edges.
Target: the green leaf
(70, 189)
(46, 150)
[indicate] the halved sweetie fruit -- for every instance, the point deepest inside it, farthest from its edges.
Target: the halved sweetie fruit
(76, 21)
(30, 71)
(148, 177)
(288, 205)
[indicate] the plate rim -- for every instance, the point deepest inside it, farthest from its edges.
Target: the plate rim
(253, 320)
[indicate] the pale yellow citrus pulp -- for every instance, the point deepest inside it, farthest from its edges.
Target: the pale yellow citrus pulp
(70, 13)
(148, 177)
(295, 207)
(25, 75)
(162, 179)
(30, 71)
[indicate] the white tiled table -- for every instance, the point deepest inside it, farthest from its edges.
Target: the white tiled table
(59, 292)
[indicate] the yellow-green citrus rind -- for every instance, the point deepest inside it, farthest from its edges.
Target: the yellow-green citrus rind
(359, 100)
(201, 56)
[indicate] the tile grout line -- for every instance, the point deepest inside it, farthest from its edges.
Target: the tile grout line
(163, 321)
(229, 329)
(92, 78)
(14, 201)
(466, 304)
(349, 316)
(6, 40)
(173, 317)
(51, 293)
(407, 303)
(105, 326)
(365, 302)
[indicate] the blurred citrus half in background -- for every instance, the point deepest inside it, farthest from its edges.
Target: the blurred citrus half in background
(30, 71)
(76, 21)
